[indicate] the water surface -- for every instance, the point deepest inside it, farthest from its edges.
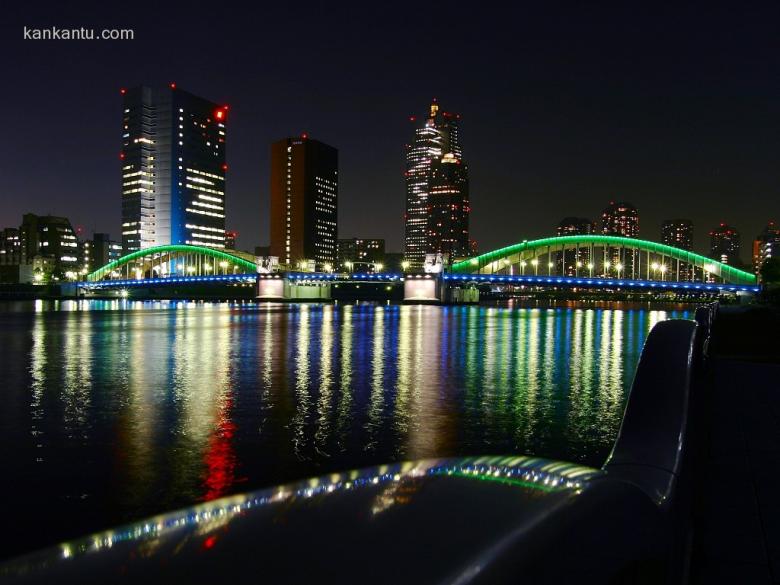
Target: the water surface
(115, 410)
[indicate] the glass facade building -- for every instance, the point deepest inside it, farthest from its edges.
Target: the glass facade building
(173, 169)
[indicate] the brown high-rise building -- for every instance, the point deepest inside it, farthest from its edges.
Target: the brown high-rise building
(304, 203)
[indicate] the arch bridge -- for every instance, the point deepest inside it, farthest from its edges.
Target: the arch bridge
(175, 261)
(596, 256)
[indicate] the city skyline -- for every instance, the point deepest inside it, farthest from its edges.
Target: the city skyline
(617, 142)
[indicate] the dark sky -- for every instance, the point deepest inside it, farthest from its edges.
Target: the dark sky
(564, 107)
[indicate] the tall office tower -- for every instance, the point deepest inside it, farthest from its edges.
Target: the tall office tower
(173, 169)
(766, 245)
(724, 244)
(448, 208)
(678, 233)
(620, 219)
(304, 203)
(437, 190)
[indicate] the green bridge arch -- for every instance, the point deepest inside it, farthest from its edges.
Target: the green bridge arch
(169, 259)
(597, 255)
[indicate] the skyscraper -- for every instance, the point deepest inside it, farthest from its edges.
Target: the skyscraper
(725, 244)
(173, 169)
(679, 234)
(304, 202)
(437, 190)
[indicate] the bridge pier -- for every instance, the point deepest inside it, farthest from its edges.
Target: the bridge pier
(278, 287)
(430, 289)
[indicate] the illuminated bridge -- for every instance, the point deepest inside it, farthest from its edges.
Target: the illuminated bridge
(568, 262)
(603, 257)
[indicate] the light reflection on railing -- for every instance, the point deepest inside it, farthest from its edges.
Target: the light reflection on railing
(205, 519)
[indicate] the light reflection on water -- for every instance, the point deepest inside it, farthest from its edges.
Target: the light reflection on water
(120, 409)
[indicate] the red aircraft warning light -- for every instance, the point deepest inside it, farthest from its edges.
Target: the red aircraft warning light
(173, 85)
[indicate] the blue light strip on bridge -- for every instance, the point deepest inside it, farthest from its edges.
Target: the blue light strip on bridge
(168, 280)
(606, 282)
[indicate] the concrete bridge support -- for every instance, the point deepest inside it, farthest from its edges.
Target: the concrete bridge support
(435, 290)
(276, 287)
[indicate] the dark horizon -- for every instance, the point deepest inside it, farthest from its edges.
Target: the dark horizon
(674, 111)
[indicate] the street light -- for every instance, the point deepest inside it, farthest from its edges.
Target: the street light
(590, 268)
(535, 264)
(378, 267)
(224, 265)
(348, 265)
(663, 270)
(523, 264)
(618, 268)
(327, 267)
(405, 265)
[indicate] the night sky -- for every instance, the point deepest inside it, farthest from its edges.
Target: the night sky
(564, 108)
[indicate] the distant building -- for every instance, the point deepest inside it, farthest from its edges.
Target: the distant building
(766, 245)
(576, 262)
(304, 202)
(575, 226)
(47, 249)
(394, 262)
(724, 244)
(230, 240)
(360, 253)
(99, 251)
(678, 233)
(173, 169)
(620, 219)
(10, 246)
(437, 190)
